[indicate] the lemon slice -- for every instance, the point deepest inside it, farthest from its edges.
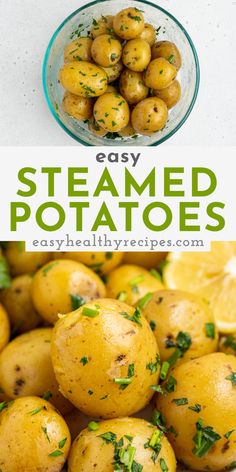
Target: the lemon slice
(210, 274)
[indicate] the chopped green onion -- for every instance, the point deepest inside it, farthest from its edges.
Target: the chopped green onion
(90, 312)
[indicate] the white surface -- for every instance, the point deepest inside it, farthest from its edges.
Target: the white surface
(25, 30)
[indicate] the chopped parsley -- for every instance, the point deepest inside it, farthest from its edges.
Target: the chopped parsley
(232, 378)
(90, 312)
(45, 431)
(135, 317)
(210, 330)
(182, 344)
(125, 381)
(170, 384)
(76, 301)
(49, 267)
(230, 341)
(134, 17)
(62, 443)
(144, 301)
(36, 411)
(180, 401)
(197, 408)
(171, 59)
(84, 360)
(204, 439)
(56, 453)
(227, 435)
(3, 405)
(153, 325)
(93, 426)
(108, 437)
(163, 465)
(153, 366)
(47, 395)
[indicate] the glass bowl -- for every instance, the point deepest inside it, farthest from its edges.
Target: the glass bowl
(80, 22)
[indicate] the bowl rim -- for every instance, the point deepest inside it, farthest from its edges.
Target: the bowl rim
(84, 7)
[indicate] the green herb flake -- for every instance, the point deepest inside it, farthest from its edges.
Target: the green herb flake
(232, 378)
(210, 330)
(113, 123)
(153, 366)
(230, 341)
(170, 384)
(47, 395)
(180, 401)
(48, 267)
(56, 453)
(45, 431)
(135, 317)
(197, 408)
(122, 296)
(125, 381)
(62, 443)
(163, 465)
(156, 274)
(93, 426)
(171, 59)
(134, 17)
(136, 280)
(227, 435)
(84, 360)
(76, 301)
(153, 325)
(204, 439)
(36, 411)
(108, 437)
(91, 313)
(3, 405)
(144, 301)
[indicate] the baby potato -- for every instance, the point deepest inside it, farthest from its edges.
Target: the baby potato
(148, 34)
(227, 344)
(113, 72)
(62, 286)
(159, 74)
(170, 95)
(19, 305)
(169, 51)
(200, 408)
(106, 50)
(103, 25)
(94, 127)
(149, 116)
(26, 369)
(127, 131)
(78, 50)
(81, 108)
(83, 78)
(129, 283)
(136, 54)
(171, 312)
(128, 23)
(21, 261)
(4, 328)
(100, 262)
(149, 260)
(117, 382)
(133, 440)
(132, 86)
(111, 112)
(33, 437)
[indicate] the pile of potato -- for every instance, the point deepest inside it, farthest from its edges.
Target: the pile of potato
(122, 51)
(96, 337)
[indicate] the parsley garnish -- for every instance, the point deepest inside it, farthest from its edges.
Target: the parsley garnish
(90, 312)
(210, 330)
(135, 317)
(144, 301)
(125, 381)
(153, 325)
(84, 360)
(182, 344)
(122, 296)
(197, 408)
(153, 366)
(76, 301)
(56, 453)
(180, 401)
(108, 437)
(48, 267)
(204, 439)
(232, 378)
(62, 443)
(93, 426)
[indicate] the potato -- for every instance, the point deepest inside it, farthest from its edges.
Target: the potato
(149, 260)
(227, 344)
(159, 74)
(170, 95)
(169, 51)
(103, 25)
(113, 72)
(94, 127)
(81, 108)
(117, 382)
(127, 131)
(33, 437)
(62, 286)
(115, 443)
(106, 50)
(26, 369)
(4, 328)
(201, 412)
(128, 23)
(100, 262)
(21, 261)
(111, 112)
(132, 86)
(171, 312)
(136, 55)
(79, 50)
(19, 305)
(83, 79)
(129, 283)
(148, 34)
(149, 116)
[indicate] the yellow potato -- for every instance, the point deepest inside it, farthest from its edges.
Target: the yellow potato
(128, 23)
(171, 312)
(204, 397)
(106, 50)
(4, 328)
(170, 95)
(148, 34)
(19, 305)
(33, 437)
(21, 261)
(94, 127)
(103, 25)
(81, 108)
(149, 116)
(136, 55)
(26, 369)
(100, 262)
(149, 260)
(130, 283)
(83, 79)
(116, 355)
(113, 72)
(78, 50)
(62, 286)
(132, 86)
(138, 441)
(111, 112)
(159, 74)
(127, 131)
(169, 51)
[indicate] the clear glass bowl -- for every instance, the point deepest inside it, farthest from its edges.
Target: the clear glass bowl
(171, 29)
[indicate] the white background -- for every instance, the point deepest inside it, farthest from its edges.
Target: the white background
(25, 30)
